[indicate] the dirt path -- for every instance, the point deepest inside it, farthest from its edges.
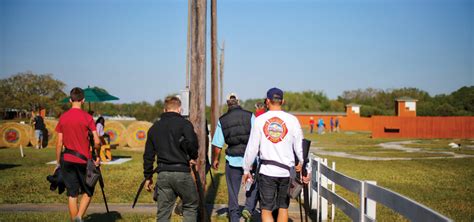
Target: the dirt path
(398, 145)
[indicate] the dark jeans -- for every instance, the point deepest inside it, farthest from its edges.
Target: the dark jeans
(169, 185)
(233, 177)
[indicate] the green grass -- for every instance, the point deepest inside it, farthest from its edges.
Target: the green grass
(444, 185)
(399, 154)
(64, 216)
(121, 181)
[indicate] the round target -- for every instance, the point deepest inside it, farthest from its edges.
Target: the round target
(116, 132)
(14, 135)
(137, 134)
(50, 136)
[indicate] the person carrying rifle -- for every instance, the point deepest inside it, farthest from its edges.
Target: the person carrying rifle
(277, 135)
(174, 143)
(72, 129)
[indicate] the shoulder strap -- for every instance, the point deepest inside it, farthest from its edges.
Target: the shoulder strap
(275, 163)
(75, 153)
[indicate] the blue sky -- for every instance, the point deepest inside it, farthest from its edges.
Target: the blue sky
(136, 49)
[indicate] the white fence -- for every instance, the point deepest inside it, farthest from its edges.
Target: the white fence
(369, 194)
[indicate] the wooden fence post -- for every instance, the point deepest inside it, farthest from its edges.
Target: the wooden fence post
(370, 205)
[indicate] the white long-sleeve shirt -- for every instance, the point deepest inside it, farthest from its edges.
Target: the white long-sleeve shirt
(275, 134)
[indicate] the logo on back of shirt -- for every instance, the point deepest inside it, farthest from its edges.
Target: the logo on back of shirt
(275, 129)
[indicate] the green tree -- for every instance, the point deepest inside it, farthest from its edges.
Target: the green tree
(29, 91)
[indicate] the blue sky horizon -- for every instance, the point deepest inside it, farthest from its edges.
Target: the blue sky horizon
(137, 49)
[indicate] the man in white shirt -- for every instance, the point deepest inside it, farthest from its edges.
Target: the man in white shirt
(277, 135)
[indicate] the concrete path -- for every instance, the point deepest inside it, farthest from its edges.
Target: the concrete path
(398, 145)
(148, 208)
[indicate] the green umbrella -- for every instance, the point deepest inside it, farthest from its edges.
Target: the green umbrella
(94, 94)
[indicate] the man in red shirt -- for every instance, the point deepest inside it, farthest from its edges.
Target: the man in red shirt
(311, 124)
(260, 109)
(72, 132)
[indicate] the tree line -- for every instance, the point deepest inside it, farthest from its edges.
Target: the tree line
(29, 91)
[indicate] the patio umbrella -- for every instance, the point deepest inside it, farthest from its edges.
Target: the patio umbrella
(94, 95)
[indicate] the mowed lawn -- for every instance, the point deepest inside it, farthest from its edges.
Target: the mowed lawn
(445, 185)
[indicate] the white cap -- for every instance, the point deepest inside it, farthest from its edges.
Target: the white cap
(228, 97)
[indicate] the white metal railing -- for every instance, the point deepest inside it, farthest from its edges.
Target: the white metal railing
(369, 194)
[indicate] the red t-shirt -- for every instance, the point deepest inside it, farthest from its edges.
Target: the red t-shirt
(259, 112)
(311, 122)
(73, 124)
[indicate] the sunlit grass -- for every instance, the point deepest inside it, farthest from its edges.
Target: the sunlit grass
(442, 184)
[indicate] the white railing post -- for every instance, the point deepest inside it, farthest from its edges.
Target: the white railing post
(313, 194)
(370, 205)
(324, 202)
(362, 201)
(333, 189)
(318, 180)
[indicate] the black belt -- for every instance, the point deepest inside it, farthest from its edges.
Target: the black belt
(274, 163)
(75, 153)
(172, 165)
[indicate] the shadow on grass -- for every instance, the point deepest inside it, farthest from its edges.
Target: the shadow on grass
(211, 194)
(8, 166)
(115, 157)
(104, 217)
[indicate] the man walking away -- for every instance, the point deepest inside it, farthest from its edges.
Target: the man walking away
(72, 129)
(38, 122)
(173, 141)
(277, 135)
(320, 126)
(260, 109)
(332, 124)
(311, 124)
(233, 129)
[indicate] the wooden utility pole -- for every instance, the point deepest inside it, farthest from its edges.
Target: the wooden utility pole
(221, 78)
(188, 43)
(197, 106)
(214, 83)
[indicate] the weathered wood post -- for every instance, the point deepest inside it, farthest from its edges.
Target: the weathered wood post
(198, 86)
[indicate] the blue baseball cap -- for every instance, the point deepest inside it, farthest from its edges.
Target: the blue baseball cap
(274, 93)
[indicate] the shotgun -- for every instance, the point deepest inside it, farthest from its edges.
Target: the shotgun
(140, 188)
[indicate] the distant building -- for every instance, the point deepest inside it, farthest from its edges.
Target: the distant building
(405, 124)
(353, 110)
(405, 106)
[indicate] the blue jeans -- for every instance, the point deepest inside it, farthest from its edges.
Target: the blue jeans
(39, 134)
(233, 177)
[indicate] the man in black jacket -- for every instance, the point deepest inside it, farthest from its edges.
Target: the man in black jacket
(173, 140)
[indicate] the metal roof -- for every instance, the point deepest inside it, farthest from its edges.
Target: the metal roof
(353, 105)
(405, 99)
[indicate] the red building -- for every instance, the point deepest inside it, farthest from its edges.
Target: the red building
(404, 125)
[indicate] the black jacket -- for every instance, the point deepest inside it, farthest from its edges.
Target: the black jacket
(236, 125)
(173, 140)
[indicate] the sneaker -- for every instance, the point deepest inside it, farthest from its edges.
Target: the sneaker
(247, 215)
